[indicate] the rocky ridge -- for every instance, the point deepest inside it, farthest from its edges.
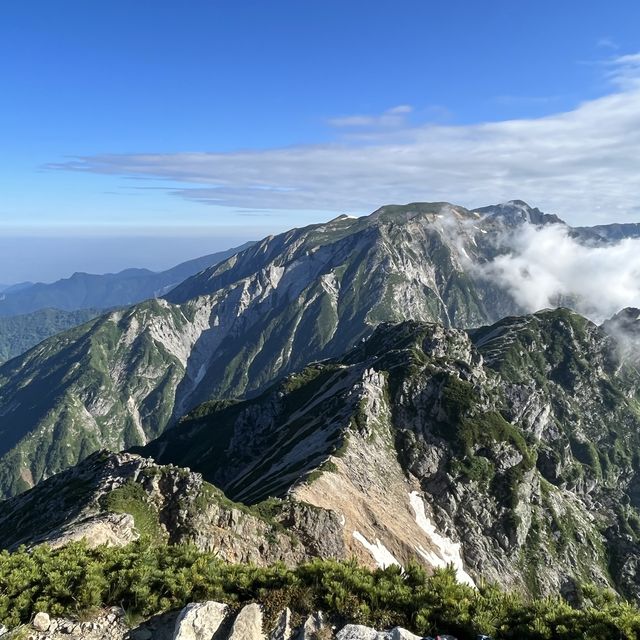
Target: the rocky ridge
(114, 498)
(509, 452)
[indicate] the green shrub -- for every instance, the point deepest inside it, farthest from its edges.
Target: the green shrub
(147, 579)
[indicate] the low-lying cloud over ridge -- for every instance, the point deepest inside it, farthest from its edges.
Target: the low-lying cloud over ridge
(546, 267)
(582, 164)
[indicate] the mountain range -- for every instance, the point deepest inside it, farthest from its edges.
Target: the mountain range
(102, 291)
(31, 312)
(353, 388)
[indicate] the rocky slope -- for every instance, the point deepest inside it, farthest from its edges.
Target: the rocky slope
(510, 452)
(233, 329)
(288, 300)
(114, 499)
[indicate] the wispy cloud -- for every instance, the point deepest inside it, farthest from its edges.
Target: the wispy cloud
(581, 164)
(394, 117)
(607, 43)
(624, 71)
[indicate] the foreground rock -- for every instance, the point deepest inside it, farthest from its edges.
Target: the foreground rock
(200, 620)
(205, 621)
(91, 502)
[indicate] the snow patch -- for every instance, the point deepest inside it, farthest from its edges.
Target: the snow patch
(446, 551)
(381, 555)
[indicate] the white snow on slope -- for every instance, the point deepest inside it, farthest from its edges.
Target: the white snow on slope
(446, 551)
(382, 556)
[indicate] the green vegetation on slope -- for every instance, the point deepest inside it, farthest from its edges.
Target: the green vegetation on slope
(148, 579)
(19, 333)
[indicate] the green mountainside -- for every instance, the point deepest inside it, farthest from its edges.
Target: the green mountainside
(19, 333)
(510, 453)
(235, 328)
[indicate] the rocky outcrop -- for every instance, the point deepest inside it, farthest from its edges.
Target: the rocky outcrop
(99, 500)
(208, 621)
(248, 624)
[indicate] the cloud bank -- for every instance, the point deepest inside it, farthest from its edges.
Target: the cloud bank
(582, 165)
(546, 267)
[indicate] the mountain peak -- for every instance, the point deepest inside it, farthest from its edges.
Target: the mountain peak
(516, 212)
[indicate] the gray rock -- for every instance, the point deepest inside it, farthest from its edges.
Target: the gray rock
(358, 632)
(41, 621)
(248, 624)
(282, 630)
(3, 630)
(200, 621)
(311, 627)
(398, 633)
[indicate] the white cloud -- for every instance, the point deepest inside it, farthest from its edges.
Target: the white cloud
(624, 71)
(582, 164)
(546, 266)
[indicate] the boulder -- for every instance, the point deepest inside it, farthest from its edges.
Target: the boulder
(41, 621)
(199, 621)
(359, 632)
(398, 633)
(248, 624)
(311, 627)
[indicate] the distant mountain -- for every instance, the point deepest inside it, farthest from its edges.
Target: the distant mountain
(91, 291)
(19, 333)
(233, 329)
(610, 232)
(517, 212)
(11, 288)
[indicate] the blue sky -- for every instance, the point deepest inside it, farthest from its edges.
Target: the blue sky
(226, 121)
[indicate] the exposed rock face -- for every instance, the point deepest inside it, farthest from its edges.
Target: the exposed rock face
(96, 499)
(313, 627)
(282, 629)
(248, 624)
